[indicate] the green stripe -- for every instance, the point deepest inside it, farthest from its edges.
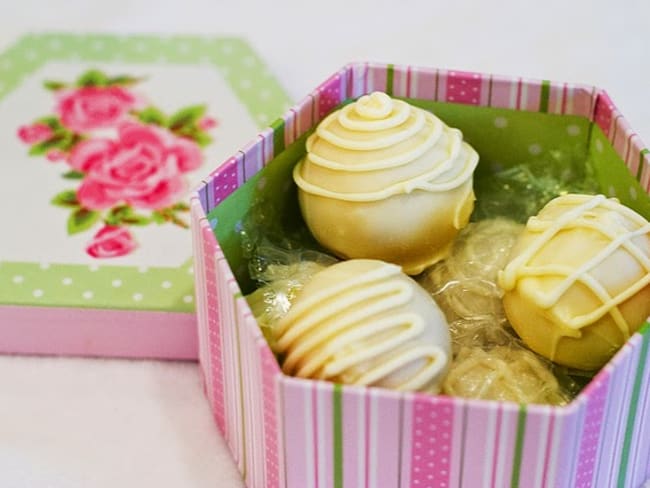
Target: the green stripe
(640, 168)
(519, 446)
(278, 136)
(338, 436)
(390, 75)
(631, 416)
(544, 96)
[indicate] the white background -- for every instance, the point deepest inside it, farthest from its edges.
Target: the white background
(106, 423)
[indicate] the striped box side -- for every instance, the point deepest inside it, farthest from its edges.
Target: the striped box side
(423, 83)
(232, 363)
(298, 423)
(197, 217)
(435, 453)
(384, 438)
(534, 446)
(481, 427)
(629, 471)
(271, 430)
(639, 458)
(592, 431)
(615, 416)
(604, 112)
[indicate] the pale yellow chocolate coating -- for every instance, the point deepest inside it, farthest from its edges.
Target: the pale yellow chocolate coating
(364, 322)
(578, 282)
(383, 179)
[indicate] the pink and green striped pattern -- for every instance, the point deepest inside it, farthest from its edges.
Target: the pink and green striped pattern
(293, 433)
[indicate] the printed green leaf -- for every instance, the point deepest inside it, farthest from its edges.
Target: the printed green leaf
(43, 147)
(181, 207)
(67, 198)
(51, 121)
(92, 77)
(136, 220)
(201, 138)
(124, 214)
(53, 85)
(151, 115)
(187, 116)
(124, 80)
(73, 175)
(158, 218)
(81, 219)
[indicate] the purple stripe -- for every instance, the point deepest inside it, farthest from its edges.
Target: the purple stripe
(495, 447)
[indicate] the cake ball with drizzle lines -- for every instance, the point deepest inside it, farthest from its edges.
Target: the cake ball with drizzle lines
(365, 322)
(577, 284)
(383, 179)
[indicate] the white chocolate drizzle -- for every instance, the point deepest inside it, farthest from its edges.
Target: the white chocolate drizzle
(359, 329)
(619, 224)
(393, 134)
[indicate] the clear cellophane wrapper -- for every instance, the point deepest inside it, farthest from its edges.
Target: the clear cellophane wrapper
(490, 361)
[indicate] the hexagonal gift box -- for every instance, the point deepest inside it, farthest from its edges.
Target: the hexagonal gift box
(295, 433)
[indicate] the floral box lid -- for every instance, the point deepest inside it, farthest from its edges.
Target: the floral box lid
(103, 138)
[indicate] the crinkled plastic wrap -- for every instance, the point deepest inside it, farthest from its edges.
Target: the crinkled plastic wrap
(465, 284)
(281, 283)
(490, 361)
(504, 373)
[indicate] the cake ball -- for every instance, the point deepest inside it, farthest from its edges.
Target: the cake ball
(365, 322)
(577, 285)
(383, 179)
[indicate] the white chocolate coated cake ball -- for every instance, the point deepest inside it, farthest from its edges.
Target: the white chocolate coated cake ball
(383, 179)
(577, 285)
(364, 322)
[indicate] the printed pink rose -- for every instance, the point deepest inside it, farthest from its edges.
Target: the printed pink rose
(207, 123)
(55, 155)
(143, 168)
(94, 107)
(111, 242)
(35, 133)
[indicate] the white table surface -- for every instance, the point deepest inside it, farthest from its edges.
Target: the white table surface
(68, 423)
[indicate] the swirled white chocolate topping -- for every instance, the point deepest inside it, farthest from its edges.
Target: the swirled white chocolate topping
(364, 322)
(378, 147)
(578, 282)
(381, 167)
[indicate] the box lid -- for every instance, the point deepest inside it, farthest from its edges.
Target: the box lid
(104, 136)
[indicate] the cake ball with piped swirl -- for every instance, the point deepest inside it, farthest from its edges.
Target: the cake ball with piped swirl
(383, 179)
